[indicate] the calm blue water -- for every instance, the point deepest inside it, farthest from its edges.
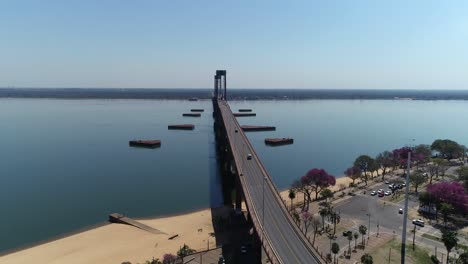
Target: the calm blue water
(66, 164)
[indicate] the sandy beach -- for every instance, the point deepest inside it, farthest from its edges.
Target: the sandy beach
(116, 243)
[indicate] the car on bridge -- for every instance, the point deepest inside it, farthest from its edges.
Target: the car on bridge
(249, 156)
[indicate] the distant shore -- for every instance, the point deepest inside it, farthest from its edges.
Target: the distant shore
(234, 94)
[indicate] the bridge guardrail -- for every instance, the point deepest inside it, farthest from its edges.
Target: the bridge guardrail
(316, 254)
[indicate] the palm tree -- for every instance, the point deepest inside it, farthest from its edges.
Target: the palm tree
(335, 249)
(323, 212)
(463, 258)
(356, 235)
(292, 195)
(363, 231)
(335, 219)
(350, 237)
(366, 259)
(450, 240)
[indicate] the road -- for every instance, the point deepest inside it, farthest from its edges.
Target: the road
(288, 245)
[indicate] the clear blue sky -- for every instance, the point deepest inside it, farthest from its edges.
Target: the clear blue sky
(262, 44)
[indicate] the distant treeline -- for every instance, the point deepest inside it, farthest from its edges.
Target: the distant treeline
(233, 94)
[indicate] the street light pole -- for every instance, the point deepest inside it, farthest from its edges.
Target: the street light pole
(378, 224)
(368, 228)
(263, 209)
(405, 212)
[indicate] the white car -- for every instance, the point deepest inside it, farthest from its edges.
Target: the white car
(387, 193)
(390, 186)
(418, 222)
(373, 193)
(387, 182)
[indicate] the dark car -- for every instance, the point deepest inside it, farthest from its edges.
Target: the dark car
(221, 260)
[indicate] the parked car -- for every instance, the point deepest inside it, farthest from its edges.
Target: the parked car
(391, 186)
(387, 193)
(403, 185)
(381, 194)
(400, 211)
(387, 182)
(243, 249)
(221, 260)
(373, 193)
(418, 222)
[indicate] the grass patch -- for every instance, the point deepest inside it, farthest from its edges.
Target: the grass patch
(431, 237)
(464, 247)
(397, 199)
(418, 256)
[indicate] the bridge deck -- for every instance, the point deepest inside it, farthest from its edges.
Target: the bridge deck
(283, 241)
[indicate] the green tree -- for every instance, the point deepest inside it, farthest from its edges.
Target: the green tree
(335, 249)
(364, 163)
(416, 179)
(462, 172)
(384, 161)
(366, 259)
(324, 211)
(424, 150)
(315, 227)
(350, 238)
(292, 195)
(296, 217)
(463, 258)
(185, 250)
(335, 219)
(356, 236)
(327, 193)
(450, 241)
(445, 209)
(363, 232)
(447, 148)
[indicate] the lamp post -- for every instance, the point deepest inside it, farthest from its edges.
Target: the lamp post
(368, 228)
(405, 212)
(378, 222)
(263, 209)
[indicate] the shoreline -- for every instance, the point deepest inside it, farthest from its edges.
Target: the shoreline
(83, 243)
(116, 243)
(95, 226)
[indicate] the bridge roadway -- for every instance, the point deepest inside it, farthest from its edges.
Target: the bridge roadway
(283, 242)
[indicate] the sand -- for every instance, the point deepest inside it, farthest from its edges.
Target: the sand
(116, 243)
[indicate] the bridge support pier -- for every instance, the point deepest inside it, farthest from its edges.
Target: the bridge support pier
(239, 195)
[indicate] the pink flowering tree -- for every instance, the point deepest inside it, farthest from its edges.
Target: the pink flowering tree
(318, 180)
(452, 193)
(306, 218)
(169, 259)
